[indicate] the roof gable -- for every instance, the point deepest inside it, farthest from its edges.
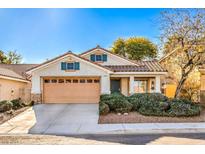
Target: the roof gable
(113, 59)
(56, 59)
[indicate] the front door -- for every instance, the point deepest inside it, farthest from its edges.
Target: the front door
(115, 85)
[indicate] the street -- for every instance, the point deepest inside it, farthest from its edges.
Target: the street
(143, 139)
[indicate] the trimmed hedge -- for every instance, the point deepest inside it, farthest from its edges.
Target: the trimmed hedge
(5, 106)
(149, 104)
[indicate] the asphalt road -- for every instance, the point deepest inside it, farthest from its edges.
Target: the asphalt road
(142, 139)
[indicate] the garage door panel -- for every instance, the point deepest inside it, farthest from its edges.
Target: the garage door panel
(71, 92)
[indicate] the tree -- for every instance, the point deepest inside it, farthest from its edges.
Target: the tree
(135, 48)
(12, 57)
(3, 57)
(183, 31)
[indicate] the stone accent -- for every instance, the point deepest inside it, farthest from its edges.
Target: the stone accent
(36, 98)
(202, 96)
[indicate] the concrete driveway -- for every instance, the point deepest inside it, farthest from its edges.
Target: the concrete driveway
(78, 119)
(63, 119)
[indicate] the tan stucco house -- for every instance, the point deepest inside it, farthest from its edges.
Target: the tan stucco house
(71, 78)
(14, 83)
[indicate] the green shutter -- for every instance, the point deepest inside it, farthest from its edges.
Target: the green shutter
(77, 65)
(63, 65)
(92, 57)
(104, 57)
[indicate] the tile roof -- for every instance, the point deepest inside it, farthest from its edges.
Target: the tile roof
(153, 65)
(10, 73)
(15, 70)
(144, 66)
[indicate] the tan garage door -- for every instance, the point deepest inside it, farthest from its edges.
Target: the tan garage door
(71, 90)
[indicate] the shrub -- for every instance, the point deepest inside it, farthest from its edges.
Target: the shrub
(103, 108)
(139, 100)
(5, 106)
(182, 107)
(17, 103)
(117, 102)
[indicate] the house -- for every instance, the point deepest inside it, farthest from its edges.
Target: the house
(71, 78)
(202, 83)
(14, 83)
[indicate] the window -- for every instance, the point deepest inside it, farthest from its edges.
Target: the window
(68, 81)
(96, 81)
(46, 81)
(61, 81)
(53, 81)
(140, 86)
(75, 81)
(89, 80)
(98, 57)
(70, 66)
(82, 80)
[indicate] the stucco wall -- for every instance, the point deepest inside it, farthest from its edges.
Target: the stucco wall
(111, 59)
(10, 89)
(54, 69)
(125, 86)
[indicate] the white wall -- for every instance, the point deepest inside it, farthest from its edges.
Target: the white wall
(111, 59)
(54, 69)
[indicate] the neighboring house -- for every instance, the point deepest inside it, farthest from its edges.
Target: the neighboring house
(170, 84)
(202, 81)
(72, 78)
(13, 81)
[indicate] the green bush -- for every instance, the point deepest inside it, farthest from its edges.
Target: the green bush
(139, 100)
(117, 102)
(103, 108)
(156, 104)
(17, 103)
(182, 107)
(150, 104)
(5, 106)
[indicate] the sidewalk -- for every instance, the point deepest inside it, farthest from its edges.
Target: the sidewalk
(24, 123)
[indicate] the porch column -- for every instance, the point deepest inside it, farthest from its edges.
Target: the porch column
(105, 84)
(131, 85)
(157, 84)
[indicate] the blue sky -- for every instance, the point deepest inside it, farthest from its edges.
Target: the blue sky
(40, 34)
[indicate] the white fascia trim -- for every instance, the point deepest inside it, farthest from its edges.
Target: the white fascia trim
(140, 73)
(54, 61)
(14, 79)
(110, 54)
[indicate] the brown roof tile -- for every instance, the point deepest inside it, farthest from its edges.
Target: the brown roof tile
(144, 66)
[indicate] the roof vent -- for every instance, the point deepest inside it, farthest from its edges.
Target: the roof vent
(69, 51)
(98, 46)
